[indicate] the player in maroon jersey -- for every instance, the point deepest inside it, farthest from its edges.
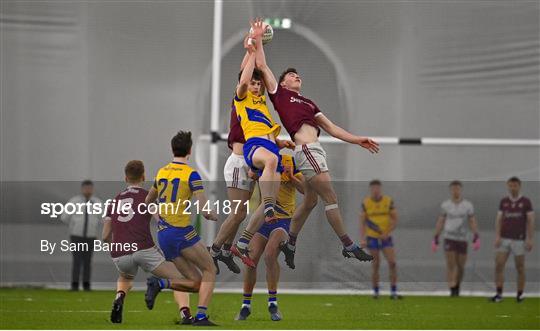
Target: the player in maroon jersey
(514, 229)
(132, 246)
(303, 120)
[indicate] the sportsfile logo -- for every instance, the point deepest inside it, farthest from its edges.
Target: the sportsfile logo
(126, 207)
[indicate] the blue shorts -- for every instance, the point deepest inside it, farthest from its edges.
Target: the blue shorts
(267, 228)
(377, 243)
(173, 239)
(252, 144)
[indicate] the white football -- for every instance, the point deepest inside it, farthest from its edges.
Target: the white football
(268, 33)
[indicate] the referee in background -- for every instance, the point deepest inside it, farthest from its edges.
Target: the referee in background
(83, 228)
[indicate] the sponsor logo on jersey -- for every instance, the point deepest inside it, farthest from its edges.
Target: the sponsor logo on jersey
(293, 99)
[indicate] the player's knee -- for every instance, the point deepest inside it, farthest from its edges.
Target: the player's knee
(210, 268)
(239, 215)
(520, 268)
(271, 162)
(329, 197)
(195, 277)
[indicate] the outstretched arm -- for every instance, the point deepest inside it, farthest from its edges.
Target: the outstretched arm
(342, 134)
(260, 58)
(246, 56)
(245, 78)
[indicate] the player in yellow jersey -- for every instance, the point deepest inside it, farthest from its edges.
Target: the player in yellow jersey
(261, 150)
(378, 220)
(268, 237)
(174, 186)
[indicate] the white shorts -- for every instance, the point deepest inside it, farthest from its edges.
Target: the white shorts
(236, 173)
(310, 159)
(148, 259)
(514, 246)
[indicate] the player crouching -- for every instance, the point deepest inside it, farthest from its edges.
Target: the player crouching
(268, 238)
(133, 230)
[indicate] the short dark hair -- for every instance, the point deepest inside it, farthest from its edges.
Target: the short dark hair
(134, 170)
(87, 182)
(283, 74)
(456, 183)
(257, 74)
(514, 179)
(375, 182)
(181, 143)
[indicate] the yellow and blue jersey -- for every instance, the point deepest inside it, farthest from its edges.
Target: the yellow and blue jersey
(377, 215)
(254, 116)
(176, 183)
(286, 197)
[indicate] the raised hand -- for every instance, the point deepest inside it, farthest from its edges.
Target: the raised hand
(257, 28)
(249, 44)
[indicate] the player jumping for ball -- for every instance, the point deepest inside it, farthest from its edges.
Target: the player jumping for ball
(303, 120)
(133, 230)
(268, 238)
(261, 149)
(174, 186)
(239, 186)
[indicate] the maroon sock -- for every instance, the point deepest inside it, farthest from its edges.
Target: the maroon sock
(185, 312)
(292, 239)
(347, 242)
(120, 295)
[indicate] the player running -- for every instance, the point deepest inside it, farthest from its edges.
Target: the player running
(514, 230)
(378, 220)
(268, 238)
(303, 120)
(131, 232)
(174, 186)
(457, 216)
(261, 149)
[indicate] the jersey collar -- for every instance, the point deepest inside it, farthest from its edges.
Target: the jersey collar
(516, 199)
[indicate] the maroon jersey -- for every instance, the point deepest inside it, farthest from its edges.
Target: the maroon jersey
(514, 217)
(131, 228)
(236, 134)
(294, 110)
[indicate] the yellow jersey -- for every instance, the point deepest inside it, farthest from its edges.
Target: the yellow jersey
(176, 183)
(254, 116)
(286, 197)
(377, 215)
